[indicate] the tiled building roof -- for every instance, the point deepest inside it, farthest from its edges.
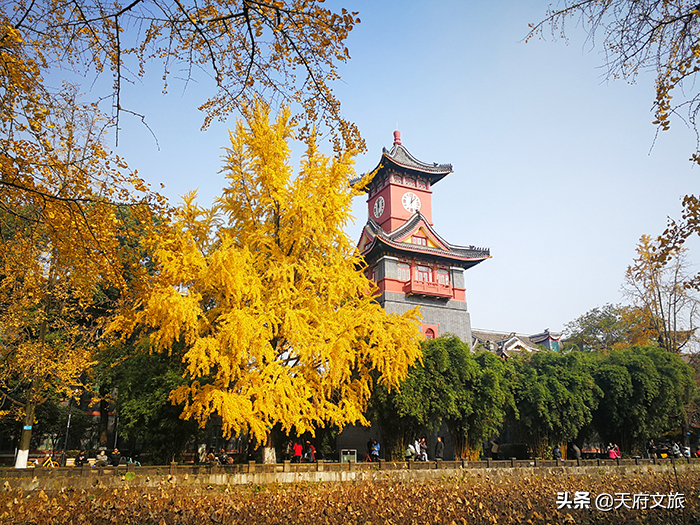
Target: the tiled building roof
(399, 157)
(467, 256)
(507, 344)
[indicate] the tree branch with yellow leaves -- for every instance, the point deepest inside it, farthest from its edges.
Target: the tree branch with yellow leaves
(286, 50)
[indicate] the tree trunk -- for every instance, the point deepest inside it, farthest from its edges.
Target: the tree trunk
(269, 453)
(541, 448)
(25, 440)
(29, 408)
(472, 452)
(459, 441)
(396, 450)
(104, 419)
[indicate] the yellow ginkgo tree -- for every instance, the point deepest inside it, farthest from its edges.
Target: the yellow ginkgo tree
(266, 295)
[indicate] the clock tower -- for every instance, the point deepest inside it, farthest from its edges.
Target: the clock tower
(402, 186)
(411, 264)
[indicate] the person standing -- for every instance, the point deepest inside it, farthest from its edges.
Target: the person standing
(423, 450)
(298, 451)
(651, 449)
(556, 453)
(310, 455)
(374, 453)
(439, 448)
(115, 458)
(494, 449)
(576, 451)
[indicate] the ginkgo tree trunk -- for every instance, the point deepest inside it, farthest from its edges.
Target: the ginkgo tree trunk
(267, 295)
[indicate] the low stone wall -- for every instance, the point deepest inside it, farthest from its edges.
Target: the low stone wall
(257, 474)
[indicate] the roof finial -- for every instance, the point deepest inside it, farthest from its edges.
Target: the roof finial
(397, 137)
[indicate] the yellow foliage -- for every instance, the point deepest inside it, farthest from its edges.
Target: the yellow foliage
(665, 308)
(528, 497)
(267, 294)
(64, 240)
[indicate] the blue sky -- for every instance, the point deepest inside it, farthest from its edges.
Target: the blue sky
(554, 168)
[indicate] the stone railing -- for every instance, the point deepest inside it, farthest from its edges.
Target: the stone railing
(130, 471)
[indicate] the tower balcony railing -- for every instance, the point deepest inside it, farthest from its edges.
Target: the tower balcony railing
(428, 288)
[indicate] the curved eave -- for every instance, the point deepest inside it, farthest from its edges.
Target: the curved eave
(398, 236)
(433, 175)
(400, 158)
(379, 244)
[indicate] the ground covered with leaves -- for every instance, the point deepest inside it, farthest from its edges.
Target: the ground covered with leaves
(472, 499)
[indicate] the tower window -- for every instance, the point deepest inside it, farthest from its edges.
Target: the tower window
(423, 273)
(404, 271)
(443, 277)
(429, 334)
(410, 182)
(420, 241)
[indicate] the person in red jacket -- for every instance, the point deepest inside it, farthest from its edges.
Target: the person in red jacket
(298, 450)
(310, 453)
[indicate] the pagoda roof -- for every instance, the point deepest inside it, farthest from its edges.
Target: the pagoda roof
(374, 238)
(399, 158)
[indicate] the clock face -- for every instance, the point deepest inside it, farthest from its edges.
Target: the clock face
(378, 207)
(410, 202)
